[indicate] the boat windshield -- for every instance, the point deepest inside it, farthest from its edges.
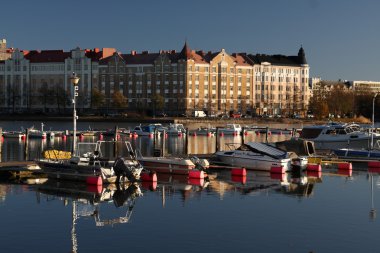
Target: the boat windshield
(310, 133)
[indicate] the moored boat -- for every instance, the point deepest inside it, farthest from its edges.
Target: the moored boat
(253, 155)
(90, 163)
(233, 129)
(336, 135)
(13, 134)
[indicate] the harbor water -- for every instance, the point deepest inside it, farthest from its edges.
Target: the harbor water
(331, 211)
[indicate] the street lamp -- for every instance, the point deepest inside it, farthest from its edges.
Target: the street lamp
(74, 80)
(373, 117)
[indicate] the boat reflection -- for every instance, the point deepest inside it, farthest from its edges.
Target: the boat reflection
(86, 201)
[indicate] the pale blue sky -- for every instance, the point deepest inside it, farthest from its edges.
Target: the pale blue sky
(340, 37)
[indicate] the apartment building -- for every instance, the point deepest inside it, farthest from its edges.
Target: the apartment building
(169, 81)
(40, 80)
(216, 82)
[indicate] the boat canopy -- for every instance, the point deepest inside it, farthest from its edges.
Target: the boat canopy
(265, 149)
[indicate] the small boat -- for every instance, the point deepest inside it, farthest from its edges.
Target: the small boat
(234, 129)
(37, 134)
(89, 163)
(203, 131)
(143, 130)
(253, 155)
(13, 134)
(173, 165)
(176, 129)
(337, 135)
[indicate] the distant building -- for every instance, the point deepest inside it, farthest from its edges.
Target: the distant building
(40, 80)
(370, 86)
(5, 53)
(189, 80)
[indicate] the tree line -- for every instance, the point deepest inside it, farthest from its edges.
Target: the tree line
(337, 99)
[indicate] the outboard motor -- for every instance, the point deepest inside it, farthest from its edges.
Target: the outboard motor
(121, 169)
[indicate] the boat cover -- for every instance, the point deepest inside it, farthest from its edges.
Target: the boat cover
(267, 149)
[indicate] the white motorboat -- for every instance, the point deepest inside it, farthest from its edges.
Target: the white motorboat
(90, 162)
(143, 130)
(13, 134)
(335, 136)
(254, 155)
(176, 129)
(208, 131)
(173, 165)
(234, 129)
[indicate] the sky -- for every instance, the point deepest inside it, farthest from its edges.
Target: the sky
(340, 37)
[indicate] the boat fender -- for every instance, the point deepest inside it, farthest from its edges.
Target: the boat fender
(313, 167)
(238, 172)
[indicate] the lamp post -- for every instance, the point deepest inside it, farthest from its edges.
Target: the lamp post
(373, 117)
(74, 80)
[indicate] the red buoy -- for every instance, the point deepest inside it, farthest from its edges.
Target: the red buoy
(313, 167)
(180, 134)
(196, 174)
(277, 169)
(257, 132)
(148, 177)
(196, 181)
(344, 166)
(245, 133)
(278, 176)
(149, 185)
(151, 135)
(238, 172)
(345, 172)
(94, 180)
(95, 188)
(374, 164)
(100, 137)
(64, 137)
(208, 134)
(314, 173)
(239, 179)
(194, 134)
(221, 134)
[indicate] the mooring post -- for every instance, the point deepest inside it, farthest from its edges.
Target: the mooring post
(266, 134)
(26, 146)
(187, 141)
(163, 144)
(242, 136)
(116, 139)
(217, 140)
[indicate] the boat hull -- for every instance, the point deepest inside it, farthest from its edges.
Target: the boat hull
(165, 165)
(254, 162)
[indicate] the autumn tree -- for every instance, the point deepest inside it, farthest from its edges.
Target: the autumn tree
(98, 98)
(118, 100)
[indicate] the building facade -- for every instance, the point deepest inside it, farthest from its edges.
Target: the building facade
(167, 81)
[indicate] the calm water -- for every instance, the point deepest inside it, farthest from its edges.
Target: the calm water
(299, 212)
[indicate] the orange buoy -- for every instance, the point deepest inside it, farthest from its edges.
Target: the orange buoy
(374, 164)
(313, 167)
(94, 180)
(344, 166)
(277, 169)
(239, 179)
(238, 172)
(196, 174)
(196, 181)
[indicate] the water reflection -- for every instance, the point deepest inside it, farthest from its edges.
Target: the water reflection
(88, 201)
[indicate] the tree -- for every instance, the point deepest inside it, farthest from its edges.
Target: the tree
(158, 103)
(118, 100)
(98, 98)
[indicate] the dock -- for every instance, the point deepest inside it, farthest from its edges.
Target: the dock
(19, 168)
